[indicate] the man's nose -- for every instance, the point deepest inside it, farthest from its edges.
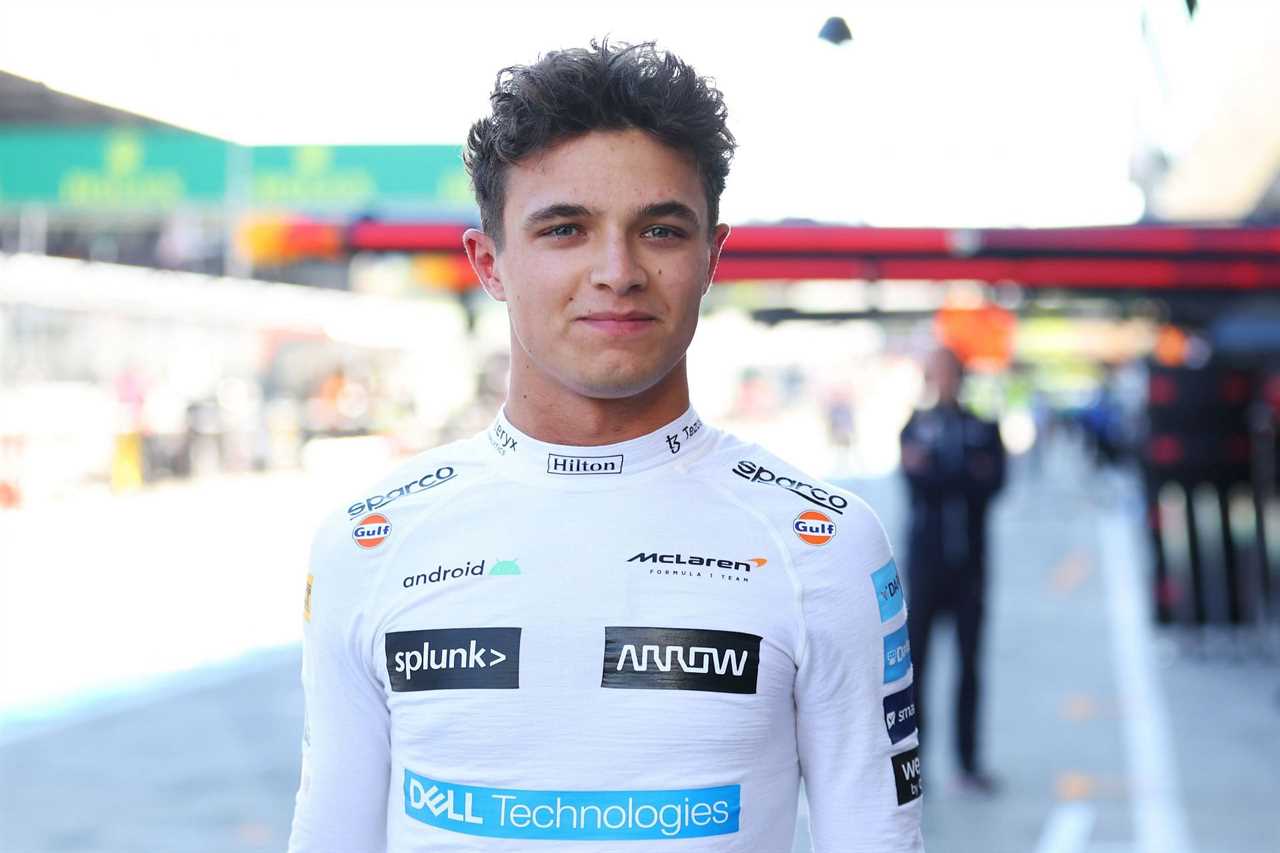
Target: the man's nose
(617, 265)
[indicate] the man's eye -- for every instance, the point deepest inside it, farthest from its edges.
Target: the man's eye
(565, 230)
(664, 232)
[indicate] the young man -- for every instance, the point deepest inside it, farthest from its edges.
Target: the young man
(604, 621)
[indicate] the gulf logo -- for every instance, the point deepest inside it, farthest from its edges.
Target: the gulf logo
(371, 530)
(814, 527)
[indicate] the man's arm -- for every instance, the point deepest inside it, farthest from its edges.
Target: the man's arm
(341, 806)
(925, 478)
(863, 787)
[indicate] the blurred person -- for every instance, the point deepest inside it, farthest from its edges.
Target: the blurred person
(954, 465)
(602, 620)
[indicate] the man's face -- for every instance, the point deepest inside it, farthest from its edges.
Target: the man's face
(943, 374)
(604, 262)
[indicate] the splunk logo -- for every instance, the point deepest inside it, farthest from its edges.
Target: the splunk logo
(680, 659)
(572, 815)
(453, 659)
(753, 473)
(698, 560)
(438, 477)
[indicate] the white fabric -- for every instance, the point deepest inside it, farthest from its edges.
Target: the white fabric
(503, 497)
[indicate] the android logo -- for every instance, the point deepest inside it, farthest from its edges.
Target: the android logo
(505, 567)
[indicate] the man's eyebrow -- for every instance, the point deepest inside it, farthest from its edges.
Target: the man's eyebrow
(664, 209)
(560, 210)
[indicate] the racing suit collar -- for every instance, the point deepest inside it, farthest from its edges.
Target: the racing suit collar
(672, 443)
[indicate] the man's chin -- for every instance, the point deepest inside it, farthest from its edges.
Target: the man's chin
(617, 386)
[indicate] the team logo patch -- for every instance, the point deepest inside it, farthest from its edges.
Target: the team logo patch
(371, 531)
(900, 713)
(567, 816)
(897, 655)
(453, 659)
(888, 590)
(680, 659)
(906, 775)
(813, 527)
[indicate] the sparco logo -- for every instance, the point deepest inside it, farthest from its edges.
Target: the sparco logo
(697, 560)
(680, 659)
(453, 659)
(437, 477)
(502, 441)
(753, 473)
(558, 464)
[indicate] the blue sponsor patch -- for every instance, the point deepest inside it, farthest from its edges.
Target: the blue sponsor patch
(897, 655)
(888, 590)
(572, 815)
(900, 713)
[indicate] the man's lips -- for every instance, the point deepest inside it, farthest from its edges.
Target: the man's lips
(618, 322)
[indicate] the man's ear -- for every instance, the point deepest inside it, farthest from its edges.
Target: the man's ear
(717, 245)
(482, 252)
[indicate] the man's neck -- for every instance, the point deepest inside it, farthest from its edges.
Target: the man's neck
(556, 415)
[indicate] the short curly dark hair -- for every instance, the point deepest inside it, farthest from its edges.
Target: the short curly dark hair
(607, 87)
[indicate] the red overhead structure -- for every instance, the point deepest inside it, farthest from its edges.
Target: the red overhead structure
(1140, 257)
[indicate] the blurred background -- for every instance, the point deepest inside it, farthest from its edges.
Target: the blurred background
(231, 296)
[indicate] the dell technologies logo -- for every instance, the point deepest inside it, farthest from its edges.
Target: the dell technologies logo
(680, 659)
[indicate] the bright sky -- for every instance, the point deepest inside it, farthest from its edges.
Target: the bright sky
(982, 113)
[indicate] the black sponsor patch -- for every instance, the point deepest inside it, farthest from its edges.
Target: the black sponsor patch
(900, 713)
(906, 775)
(680, 659)
(453, 659)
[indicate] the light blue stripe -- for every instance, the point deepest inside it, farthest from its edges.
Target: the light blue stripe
(888, 590)
(572, 815)
(897, 654)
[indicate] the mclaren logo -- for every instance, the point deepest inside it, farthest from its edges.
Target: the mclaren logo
(699, 560)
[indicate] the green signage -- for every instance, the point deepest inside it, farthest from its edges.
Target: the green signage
(356, 176)
(111, 169)
(107, 169)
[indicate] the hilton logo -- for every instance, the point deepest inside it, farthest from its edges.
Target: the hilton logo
(558, 464)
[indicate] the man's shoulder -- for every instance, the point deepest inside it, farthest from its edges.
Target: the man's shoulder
(414, 485)
(814, 516)
(423, 478)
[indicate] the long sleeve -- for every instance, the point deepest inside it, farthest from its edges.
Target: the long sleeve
(854, 704)
(341, 806)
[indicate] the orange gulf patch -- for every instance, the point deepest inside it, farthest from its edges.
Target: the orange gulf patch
(813, 527)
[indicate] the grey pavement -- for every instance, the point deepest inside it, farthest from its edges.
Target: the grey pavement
(208, 762)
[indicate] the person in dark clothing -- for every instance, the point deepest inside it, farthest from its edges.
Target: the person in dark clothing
(954, 464)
